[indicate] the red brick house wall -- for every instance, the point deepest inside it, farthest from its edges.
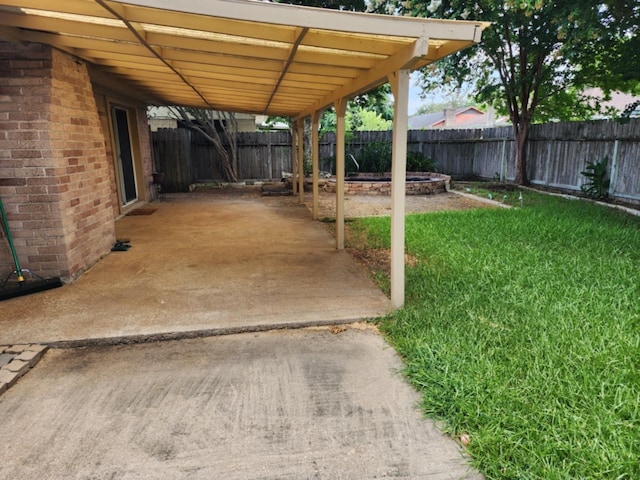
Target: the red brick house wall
(57, 179)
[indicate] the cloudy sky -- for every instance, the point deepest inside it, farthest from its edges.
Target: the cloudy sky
(414, 96)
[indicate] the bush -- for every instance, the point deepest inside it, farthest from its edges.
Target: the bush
(419, 162)
(598, 183)
(374, 157)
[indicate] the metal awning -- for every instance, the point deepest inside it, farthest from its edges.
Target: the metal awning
(236, 55)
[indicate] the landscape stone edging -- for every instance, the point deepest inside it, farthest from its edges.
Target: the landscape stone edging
(18, 360)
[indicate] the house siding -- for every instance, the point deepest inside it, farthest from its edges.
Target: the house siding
(56, 180)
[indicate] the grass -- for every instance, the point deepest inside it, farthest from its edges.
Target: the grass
(521, 329)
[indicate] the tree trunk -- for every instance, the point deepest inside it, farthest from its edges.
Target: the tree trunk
(206, 125)
(227, 168)
(231, 133)
(521, 133)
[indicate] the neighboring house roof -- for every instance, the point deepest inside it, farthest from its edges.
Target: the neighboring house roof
(465, 117)
(426, 120)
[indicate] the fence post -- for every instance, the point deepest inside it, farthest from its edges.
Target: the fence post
(614, 169)
(548, 163)
(269, 159)
(473, 162)
(503, 167)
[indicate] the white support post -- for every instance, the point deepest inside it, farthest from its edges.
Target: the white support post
(341, 108)
(301, 161)
(294, 158)
(315, 129)
(400, 86)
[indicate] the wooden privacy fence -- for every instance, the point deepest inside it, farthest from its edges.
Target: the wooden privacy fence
(186, 157)
(557, 153)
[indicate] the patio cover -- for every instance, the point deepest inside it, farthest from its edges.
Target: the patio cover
(236, 55)
(253, 57)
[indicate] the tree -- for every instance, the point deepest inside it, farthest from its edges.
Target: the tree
(440, 92)
(377, 100)
(527, 62)
(360, 119)
(612, 61)
(351, 5)
(220, 129)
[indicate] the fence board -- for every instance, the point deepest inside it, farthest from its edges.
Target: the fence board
(627, 172)
(172, 156)
(557, 153)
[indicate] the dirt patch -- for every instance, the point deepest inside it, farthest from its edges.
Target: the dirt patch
(354, 205)
(378, 205)
(376, 261)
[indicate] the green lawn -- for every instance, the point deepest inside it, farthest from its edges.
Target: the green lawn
(521, 329)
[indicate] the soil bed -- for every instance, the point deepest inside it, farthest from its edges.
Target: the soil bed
(376, 205)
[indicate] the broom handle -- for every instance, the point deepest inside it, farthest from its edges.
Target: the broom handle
(7, 231)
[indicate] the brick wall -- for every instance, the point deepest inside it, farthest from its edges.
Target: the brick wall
(78, 148)
(55, 177)
(418, 183)
(144, 133)
(102, 104)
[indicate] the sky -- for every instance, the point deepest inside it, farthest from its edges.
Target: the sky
(414, 100)
(414, 95)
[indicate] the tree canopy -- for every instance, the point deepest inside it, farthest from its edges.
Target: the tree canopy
(612, 60)
(351, 5)
(533, 60)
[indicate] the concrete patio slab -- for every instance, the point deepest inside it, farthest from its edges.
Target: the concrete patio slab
(296, 404)
(202, 263)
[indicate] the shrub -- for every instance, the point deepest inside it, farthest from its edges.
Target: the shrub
(597, 185)
(419, 162)
(374, 157)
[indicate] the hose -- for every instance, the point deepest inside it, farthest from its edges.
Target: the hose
(7, 232)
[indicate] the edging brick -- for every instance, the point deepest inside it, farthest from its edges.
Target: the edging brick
(22, 358)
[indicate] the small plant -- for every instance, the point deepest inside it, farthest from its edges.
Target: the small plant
(307, 168)
(375, 157)
(598, 184)
(419, 162)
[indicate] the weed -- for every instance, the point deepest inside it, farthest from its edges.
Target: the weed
(597, 185)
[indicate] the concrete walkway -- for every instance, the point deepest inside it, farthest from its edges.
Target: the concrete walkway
(318, 402)
(298, 404)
